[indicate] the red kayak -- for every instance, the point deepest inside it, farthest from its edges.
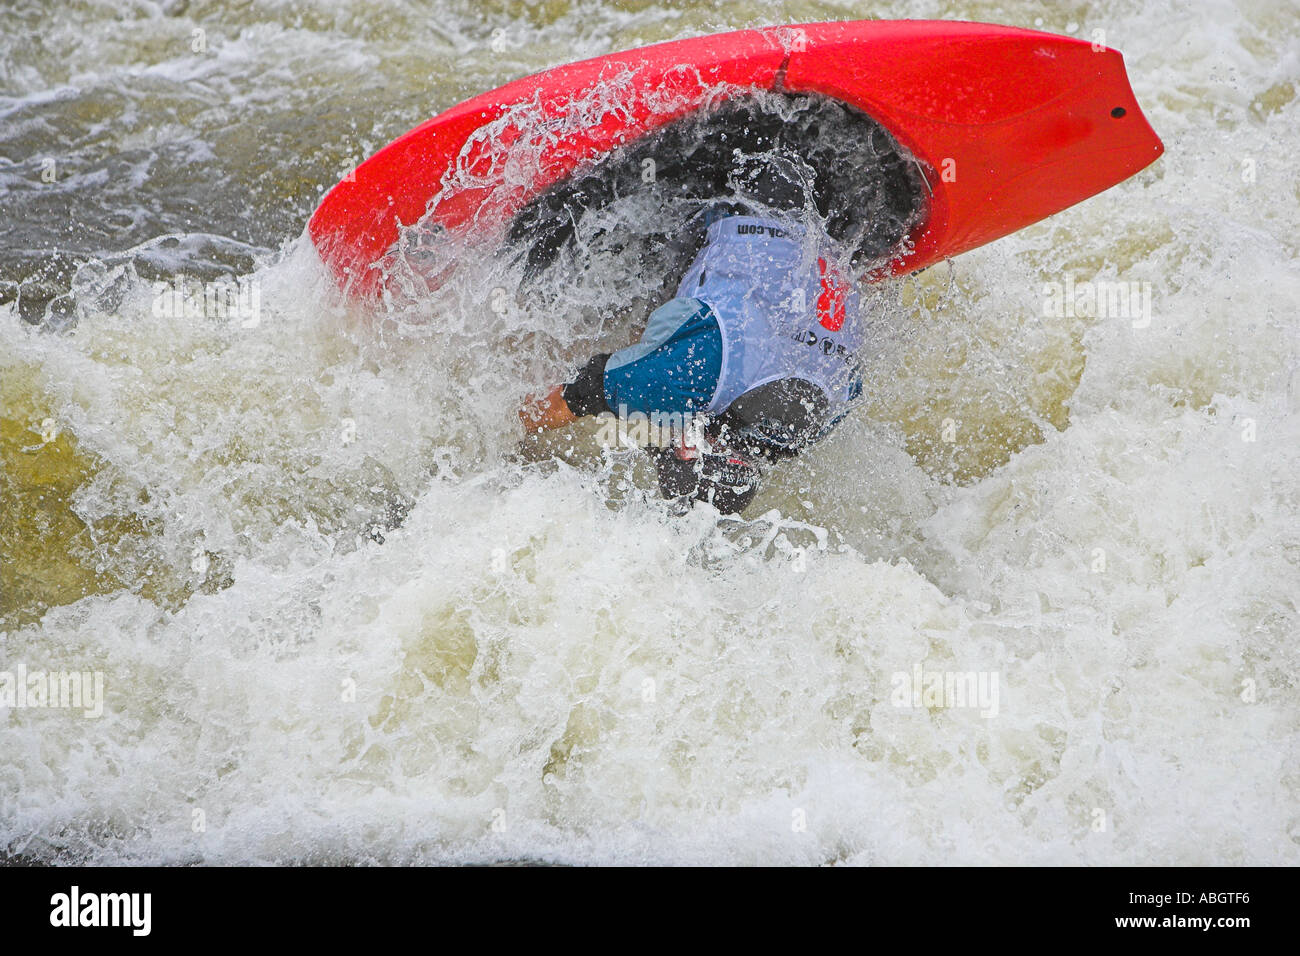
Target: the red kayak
(1005, 126)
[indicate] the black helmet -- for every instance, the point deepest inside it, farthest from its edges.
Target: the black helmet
(726, 478)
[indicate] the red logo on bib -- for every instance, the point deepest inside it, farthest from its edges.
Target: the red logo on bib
(831, 302)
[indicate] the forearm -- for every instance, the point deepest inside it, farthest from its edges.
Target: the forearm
(565, 404)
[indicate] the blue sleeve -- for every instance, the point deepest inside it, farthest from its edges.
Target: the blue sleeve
(675, 366)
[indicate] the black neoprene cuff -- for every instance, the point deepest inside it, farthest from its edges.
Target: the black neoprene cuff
(585, 395)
